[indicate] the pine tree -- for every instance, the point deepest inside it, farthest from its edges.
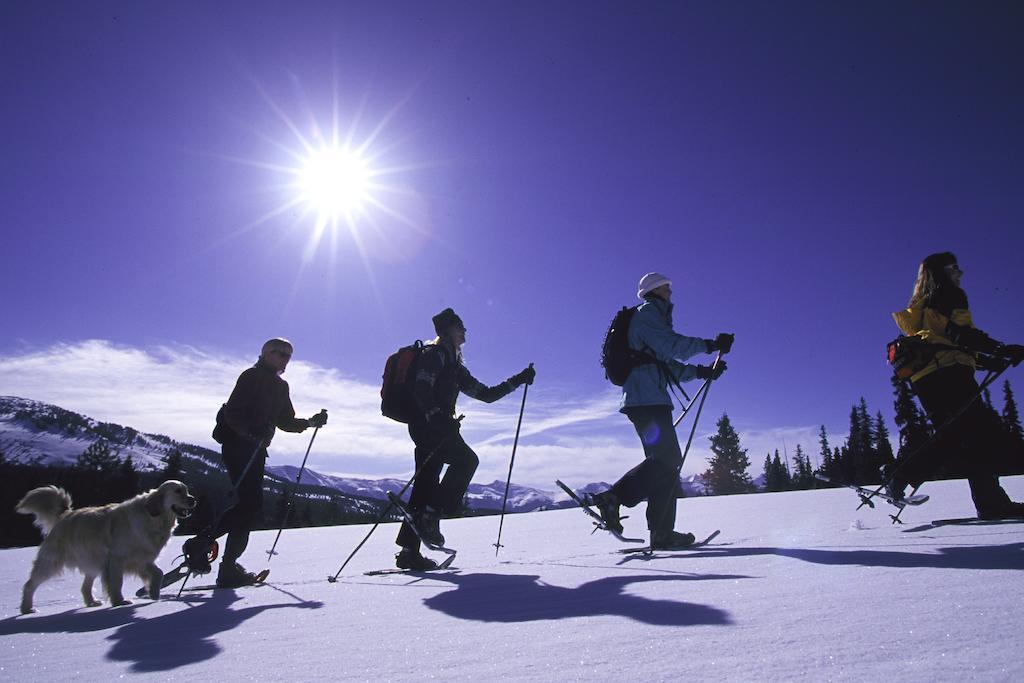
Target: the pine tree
(727, 468)
(1011, 417)
(883, 448)
(172, 464)
(98, 458)
(778, 474)
(803, 471)
(911, 422)
(768, 474)
(828, 464)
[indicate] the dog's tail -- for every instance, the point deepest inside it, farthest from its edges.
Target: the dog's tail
(48, 504)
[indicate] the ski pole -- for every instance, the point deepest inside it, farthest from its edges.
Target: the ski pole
(700, 407)
(387, 509)
(693, 428)
(512, 460)
(693, 401)
(992, 376)
(291, 495)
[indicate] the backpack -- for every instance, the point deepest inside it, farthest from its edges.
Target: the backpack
(221, 431)
(396, 399)
(909, 355)
(617, 357)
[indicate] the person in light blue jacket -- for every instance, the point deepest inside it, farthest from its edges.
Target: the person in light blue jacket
(648, 405)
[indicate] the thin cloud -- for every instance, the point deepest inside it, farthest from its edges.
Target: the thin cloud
(177, 389)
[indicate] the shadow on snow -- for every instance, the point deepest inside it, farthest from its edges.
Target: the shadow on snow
(158, 643)
(1009, 556)
(510, 598)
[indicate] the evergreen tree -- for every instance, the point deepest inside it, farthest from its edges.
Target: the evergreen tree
(883, 449)
(727, 468)
(911, 422)
(769, 473)
(803, 471)
(97, 458)
(1011, 418)
(828, 463)
(776, 476)
(172, 464)
(127, 481)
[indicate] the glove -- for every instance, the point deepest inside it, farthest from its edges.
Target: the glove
(1011, 352)
(318, 420)
(525, 377)
(723, 343)
(711, 371)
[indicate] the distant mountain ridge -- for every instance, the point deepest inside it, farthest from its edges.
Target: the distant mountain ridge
(33, 432)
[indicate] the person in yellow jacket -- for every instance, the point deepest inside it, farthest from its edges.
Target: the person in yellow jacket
(944, 383)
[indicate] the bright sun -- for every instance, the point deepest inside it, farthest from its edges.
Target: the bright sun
(335, 182)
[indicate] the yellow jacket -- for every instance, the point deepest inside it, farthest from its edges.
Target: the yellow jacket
(930, 326)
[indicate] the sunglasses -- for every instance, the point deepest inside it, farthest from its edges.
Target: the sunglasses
(282, 353)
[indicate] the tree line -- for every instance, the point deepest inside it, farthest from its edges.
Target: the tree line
(860, 458)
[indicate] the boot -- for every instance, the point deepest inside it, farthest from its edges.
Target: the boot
(427, 523)
(410, 558)
(234, 575)
(669, 540)
(895, 487)
(1011, 510)
(607, 505)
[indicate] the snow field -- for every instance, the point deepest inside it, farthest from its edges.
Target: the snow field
(799, 586)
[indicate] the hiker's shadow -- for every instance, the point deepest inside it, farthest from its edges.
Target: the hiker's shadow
(1008, 556)
(510, 598)
(186, 636)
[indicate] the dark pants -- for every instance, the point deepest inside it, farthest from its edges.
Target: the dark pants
(969, 445)
(238, 520)
(443, 495)
(656, 479)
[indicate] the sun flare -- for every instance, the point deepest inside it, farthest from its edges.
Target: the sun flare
(335, 182)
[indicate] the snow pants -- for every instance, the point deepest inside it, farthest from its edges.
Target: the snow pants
(656, 479)
(238, 520)
(969, 445)
(442, 494)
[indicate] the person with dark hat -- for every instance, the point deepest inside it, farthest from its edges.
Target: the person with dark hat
(259, 404)
(440, 377)
(944, 382)
(648, 405)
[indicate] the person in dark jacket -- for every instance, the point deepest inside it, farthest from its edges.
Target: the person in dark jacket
(938, 314)
(648, 405)
(440, 377)
(259, 405)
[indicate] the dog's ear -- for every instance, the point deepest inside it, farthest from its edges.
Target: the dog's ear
(154, 503)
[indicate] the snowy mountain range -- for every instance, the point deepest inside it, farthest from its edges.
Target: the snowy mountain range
(32, 432)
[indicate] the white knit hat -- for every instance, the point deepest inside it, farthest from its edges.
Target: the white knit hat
(650, 282)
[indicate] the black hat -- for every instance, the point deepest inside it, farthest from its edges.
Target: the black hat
(444, 320)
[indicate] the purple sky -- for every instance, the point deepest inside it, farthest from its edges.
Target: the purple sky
(787, 164)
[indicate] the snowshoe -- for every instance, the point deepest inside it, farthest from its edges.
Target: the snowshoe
(413, 560)
(671, 540)
(607, 505)
(235, 575)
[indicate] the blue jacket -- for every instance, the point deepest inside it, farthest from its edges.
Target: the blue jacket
(651, 331)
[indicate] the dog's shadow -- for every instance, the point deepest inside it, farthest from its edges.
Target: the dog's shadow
(158, 643)
(186, 636)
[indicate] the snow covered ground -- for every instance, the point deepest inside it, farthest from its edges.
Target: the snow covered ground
(797, 586)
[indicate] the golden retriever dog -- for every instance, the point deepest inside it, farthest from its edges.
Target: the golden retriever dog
(107, 541)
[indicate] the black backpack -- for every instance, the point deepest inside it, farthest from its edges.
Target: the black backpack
(396, 399)
(616, 356)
